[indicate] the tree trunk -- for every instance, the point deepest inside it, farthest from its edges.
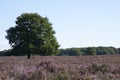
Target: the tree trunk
(28, 55)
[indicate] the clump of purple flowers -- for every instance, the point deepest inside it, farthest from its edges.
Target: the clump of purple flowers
(105, 67)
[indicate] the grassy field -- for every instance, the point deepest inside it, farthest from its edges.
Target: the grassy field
(105, 67)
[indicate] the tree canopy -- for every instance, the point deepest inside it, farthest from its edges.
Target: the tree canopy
(32, 34)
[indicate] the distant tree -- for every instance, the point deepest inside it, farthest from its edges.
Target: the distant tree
(101, 51)
(91, 51)
(112, 50)
(73, 52)
(106, 50)
(32, 34)
(118, 50)
(70, 52)
(83, 51)
(5, 52)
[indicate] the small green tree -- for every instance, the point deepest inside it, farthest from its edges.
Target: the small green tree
(91, 51)
(32, 34)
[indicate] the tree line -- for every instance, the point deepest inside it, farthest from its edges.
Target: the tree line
(89, 51)
(73, 51)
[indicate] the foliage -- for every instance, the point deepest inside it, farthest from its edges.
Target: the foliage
(118, 50)
(89, 51)
(77, 51)
(106, 50)
(32, 34)
(70, 52)
(6, 52)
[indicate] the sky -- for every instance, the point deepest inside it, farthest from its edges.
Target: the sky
(78, 23)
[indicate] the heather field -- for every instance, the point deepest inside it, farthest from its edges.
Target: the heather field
(105, 67)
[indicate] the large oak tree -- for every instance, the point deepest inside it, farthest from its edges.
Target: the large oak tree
(32, 34)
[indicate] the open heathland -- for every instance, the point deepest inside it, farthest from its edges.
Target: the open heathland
(103, 67)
